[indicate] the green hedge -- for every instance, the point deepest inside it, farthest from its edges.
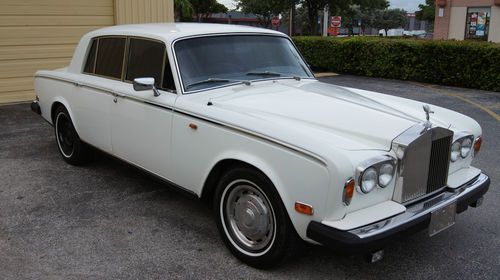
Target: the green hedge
(455, 63)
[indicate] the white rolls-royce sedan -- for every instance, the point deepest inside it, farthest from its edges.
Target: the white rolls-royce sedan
(234, 115)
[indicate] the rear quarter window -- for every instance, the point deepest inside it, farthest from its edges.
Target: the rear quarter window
(90, 63)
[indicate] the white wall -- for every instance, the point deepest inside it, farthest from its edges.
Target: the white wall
(457, 23)
(494, 32)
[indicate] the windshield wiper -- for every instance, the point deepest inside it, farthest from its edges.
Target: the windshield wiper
(217, 80)
(271, 73)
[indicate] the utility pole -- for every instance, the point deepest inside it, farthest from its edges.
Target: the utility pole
(325, 21)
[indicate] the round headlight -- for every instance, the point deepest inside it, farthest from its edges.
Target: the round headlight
(385, 174)
(466, 147)
(368, 180)
(455, 151)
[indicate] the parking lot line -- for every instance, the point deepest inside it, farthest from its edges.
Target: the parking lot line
(459, 96)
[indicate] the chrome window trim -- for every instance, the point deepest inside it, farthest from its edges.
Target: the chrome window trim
(145, 39)
(125, 59)
(96, 53)
(87, 53)
(182, 91)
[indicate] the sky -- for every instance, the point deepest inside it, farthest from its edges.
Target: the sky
(408, 5)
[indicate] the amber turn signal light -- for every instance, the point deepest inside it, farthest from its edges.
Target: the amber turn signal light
(304, 208)
(477, 144)
(348, 191)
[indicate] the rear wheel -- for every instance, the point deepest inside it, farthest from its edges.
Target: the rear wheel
(72, 149)
(252, 220)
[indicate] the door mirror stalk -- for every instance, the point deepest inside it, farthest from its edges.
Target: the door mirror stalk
(142, 84)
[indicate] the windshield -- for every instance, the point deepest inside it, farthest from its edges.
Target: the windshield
(208, 62)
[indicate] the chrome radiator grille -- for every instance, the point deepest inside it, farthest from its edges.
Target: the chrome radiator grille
(423, 162)
(438, 164)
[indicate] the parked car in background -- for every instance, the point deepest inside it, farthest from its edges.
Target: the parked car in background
(391, 32)
(234, 115)
(414, 33)
(426, 36)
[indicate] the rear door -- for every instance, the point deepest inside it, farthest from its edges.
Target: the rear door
(93, 97)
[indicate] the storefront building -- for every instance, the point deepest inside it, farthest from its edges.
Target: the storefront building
(467, 20)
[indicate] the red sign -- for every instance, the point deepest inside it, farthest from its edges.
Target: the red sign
(336, 21)
(275, 21)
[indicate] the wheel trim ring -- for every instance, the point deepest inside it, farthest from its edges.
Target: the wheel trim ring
(223, 218)
(58, 135)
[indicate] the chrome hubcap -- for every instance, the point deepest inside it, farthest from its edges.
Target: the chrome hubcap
(249, 216)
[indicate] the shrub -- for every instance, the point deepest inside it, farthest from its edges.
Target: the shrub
(454, 63)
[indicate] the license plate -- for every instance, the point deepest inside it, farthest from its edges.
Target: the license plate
(442, 218)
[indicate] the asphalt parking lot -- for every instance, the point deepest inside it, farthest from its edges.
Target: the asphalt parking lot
(109, 220)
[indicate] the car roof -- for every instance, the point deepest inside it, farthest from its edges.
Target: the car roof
(171, 31)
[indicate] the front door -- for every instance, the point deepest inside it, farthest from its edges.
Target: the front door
(140, 122)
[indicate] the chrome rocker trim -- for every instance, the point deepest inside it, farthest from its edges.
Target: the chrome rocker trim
(373, 237)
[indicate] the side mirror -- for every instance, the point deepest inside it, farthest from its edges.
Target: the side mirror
(142, 84)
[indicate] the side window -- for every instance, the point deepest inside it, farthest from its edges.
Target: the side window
(90, 63)
(110, 54)
(145, 59)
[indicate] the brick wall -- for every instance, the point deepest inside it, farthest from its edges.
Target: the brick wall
(441, 24)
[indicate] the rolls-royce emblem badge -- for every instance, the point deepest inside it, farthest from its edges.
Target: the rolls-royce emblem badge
(427, 111)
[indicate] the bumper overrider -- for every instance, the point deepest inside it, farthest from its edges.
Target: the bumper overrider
(375, 236)
(35, 107)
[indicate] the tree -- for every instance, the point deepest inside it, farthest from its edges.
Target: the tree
(361, 13)
(427, 12)
(264, 9)
(312, 7)
(389, 19)
(339, 7)
(203, 8)
(183, 10)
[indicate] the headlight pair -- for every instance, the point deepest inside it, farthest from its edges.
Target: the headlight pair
(461, 148)
(376, 172)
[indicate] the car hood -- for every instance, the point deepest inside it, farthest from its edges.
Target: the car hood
(324, 113)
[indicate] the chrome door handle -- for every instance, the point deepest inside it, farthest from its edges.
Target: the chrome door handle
(116, 95)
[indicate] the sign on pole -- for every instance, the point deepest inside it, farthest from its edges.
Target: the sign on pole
(335, 24)
(336, 21)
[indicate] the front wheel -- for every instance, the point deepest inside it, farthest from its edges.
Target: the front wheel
(252, 219)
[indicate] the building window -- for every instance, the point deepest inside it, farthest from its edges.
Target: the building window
(477, 23)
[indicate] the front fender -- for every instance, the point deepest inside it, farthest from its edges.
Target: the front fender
(310, 186)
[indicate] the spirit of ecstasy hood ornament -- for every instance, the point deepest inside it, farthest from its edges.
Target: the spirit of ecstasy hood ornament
(427, 111)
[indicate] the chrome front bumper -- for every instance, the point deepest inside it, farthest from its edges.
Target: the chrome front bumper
(417, 216)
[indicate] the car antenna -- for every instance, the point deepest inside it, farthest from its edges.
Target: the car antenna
(210, 102)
